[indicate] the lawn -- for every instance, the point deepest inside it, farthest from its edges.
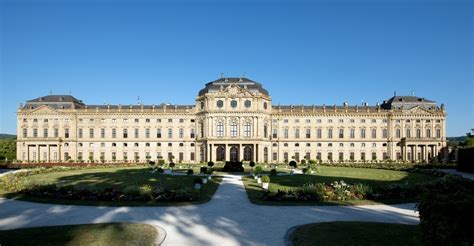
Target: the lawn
(117, 177)
(373, 177)
(89, 234)
(355, 233)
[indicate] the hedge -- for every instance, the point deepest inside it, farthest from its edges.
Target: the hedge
(466, 160)
(446, 211)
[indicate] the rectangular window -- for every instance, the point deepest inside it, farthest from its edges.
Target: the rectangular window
(352, 134)
(233, 130)
(418, 133)
(147, 132)
(285, 133)
(192, 134)
(56, 132)
(114, 133)
(308, 133)
(102, 132)
(158, 133)
(247, 129)
(438, 133)
(408, 133)
(66, 132)
(319, 133)
(341, 133)
(220, 129)
(91, 132)
(384, 133)
(181, 133)
(45, 132)
(297, 133)
(275, 133)
(362, 133)
(374, 156)
(330, 156)
(330, 133)
(397, 133)
(374, 133)
(25, 133)
(35, 133)
(170, 133)
(285, 156)
(125, 156)
(318, 156)
(192, 156)
(275, 156)
(351, 156)
(362, 156)
(125, 133)
(136, 131)
(341, 156)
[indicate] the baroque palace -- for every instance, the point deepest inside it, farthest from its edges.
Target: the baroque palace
(233, 119)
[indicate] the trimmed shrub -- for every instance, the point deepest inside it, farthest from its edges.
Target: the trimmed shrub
(265, 179)
(273, 172)
(210, 164)
(190, 172)
(233, 167)
(252, 164)
(203, 170)
(305, 170)
(446, 212)
(257, 170)
(172, 165)
(292, 164)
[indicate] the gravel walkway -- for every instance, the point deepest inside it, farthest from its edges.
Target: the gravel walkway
(228, 219)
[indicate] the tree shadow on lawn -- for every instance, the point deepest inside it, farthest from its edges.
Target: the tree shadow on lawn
(229, 219)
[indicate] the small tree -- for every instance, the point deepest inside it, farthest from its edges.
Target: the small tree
(190, 172)
(257, 171)
(252, 164)
(172, 165)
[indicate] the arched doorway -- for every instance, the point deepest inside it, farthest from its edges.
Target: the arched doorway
(234, 154)
(220, 153)
(248, 153)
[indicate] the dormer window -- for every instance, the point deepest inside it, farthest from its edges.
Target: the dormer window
(265, 105)
(248, 103)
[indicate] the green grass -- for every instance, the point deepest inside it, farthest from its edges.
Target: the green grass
(355, 233)
(373, 177)
(117, 177)
(90, 234)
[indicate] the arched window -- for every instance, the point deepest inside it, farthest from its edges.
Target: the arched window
(247, 129)
(397, 133)
(428, 133)
(233, 129)
(220, 129)
(418, 133)
(438, 133)
(408, 133)
(220, 153)
(265, 131)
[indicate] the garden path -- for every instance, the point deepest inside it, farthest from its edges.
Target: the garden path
(228, 219)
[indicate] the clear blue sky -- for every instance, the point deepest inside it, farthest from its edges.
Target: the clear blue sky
(323, 52)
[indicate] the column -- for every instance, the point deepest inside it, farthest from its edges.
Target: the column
(254, 152)
(59, 152)
(227, 152)
(241, 153)
(426, 153)
(38, 154)
(412, 153)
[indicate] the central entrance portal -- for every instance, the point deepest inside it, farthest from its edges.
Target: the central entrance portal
(234, 154)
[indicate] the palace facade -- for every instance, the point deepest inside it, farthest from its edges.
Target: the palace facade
(233, 119)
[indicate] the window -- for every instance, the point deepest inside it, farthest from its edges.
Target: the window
(56, 132)
(137, 120)
(192, 134)
(158, 133)
(308, 120)
(341, 133)
(102, 132)
(125, 156)
(374, 145)
(297, 133)
(181, 133)
(329, 144)
(102, 145)
(352, 120)
(25, 132)
(147, 133)
(35, 133)
(319, 120)
(114, 133)
(319, 145)
(147, 120)
(265, 106)
(275, 156)
(158, 120)
(233, 104)
(181, 144)
(247, 103)
(285, 156)
(329, 120)
(91, 132)
(438, 133)
(330, 156)
(170, 133)
(308, 145)
(374, 133)
(285, 145)
(330, 133)
(351, 156)
(408, 133)
(297, 120)
(275, 133)
(79, 133)
(352, 133)
(318, 156)
(45, 120)
(66, 132)
(418, 133)
(135, 132)
(362, 121)
(102, 120)
(285, 121)
(341, 145)
(220, 104)
(247, 129)
(125, 133)
(233, 129)
(147, 144)
(374, 156)
(181, 120)
(362, 144)
(285, 133)
(220, 129)
(192, 156)
(341, 156)
(308, 133)
(374, 121)
(45, 132)
(297, 145)
(352, 145)
(319, 133)
(114, 120)
(170, 120)
(362, 156)
(136, 145)
(265, 131)
(114, 144)
(341, 120)
(397, 133)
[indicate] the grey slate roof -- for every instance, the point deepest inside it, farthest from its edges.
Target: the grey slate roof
(407, 102)
(56, 98)
(242, 82)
